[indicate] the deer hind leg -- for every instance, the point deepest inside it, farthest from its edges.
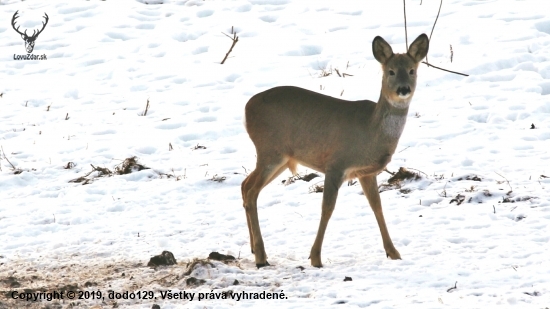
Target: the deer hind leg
(333, 181)
(267, 169)
(370, 187)
(244, 189)
(243, 186)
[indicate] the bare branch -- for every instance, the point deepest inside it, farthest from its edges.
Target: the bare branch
(406, 37)
(440, 4)
(433, 66)
(435, 22)
(227, 35)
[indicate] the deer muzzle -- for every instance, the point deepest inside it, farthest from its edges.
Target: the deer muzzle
(404, 92)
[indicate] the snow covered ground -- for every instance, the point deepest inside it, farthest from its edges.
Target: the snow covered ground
(479, 216)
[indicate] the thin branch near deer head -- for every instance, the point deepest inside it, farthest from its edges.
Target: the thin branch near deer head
(343, 139)
(29, 40)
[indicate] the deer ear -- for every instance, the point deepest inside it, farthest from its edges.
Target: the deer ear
(381, 50)
(23, 36)
(419, 48)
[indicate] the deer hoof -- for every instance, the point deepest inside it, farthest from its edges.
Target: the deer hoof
(393, 255)
(263, 265)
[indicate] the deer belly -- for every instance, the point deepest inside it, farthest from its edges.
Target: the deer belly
(371, 169)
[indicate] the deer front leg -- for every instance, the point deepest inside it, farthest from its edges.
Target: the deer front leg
(370, 187)
(333, 181)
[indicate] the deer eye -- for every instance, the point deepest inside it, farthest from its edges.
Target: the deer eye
(411, 72)
(392, 72)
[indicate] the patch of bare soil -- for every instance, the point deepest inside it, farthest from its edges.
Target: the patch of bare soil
(93, 284)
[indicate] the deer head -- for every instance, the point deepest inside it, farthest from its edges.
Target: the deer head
(29, 40)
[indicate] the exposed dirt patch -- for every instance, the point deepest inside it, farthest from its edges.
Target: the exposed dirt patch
(166, 258)
(220, 257)
(118, 276)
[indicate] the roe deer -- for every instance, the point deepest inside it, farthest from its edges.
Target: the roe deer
(343, 139)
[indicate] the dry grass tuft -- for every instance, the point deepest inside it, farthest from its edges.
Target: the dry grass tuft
(402, 175)
(193, 264)
(317, 188)
(217, 178)
(128, 166)
(396, 180)
(305, 177)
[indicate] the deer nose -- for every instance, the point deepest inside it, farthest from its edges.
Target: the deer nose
(402, 91)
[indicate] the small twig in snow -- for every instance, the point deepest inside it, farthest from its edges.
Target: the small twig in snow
(146, 108)
(506, 182)
(235, 39)
(12, 166)
(453, 288)
(404, 149)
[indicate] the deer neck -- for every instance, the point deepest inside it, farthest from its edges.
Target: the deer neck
(390, 119)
